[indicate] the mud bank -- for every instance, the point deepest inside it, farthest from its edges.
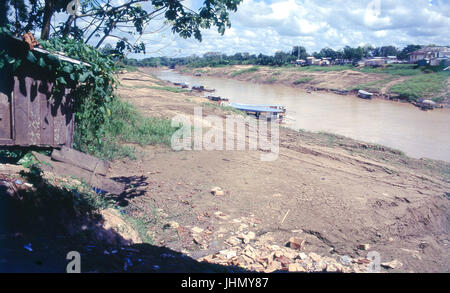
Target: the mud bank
(346, 82)
(335, 193)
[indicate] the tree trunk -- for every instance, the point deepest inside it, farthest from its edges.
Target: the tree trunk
(49, 9)
(3, 13)
(106, 34)
(68, 25)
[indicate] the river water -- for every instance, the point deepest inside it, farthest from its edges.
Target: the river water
(393, 124)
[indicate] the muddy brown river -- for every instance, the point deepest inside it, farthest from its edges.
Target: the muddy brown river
(420, 134)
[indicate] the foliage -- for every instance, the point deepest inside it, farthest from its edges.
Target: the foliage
(246, 70)
(101, 119)
(343, 56)
(105, 18)
(125, 125)
(303, 80)
(420, 86)
(393, 69)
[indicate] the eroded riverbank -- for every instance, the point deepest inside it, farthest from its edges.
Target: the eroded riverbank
(335, 193)
(394, 124)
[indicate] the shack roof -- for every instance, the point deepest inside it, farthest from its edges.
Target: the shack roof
(14, 41)
(426, 50)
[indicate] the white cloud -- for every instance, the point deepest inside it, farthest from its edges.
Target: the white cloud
(272, 25)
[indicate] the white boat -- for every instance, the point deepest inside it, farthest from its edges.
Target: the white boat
(364, 95)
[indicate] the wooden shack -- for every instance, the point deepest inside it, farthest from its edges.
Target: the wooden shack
(30, 115)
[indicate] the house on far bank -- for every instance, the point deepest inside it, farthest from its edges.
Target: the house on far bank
(376, 61)
(300, 62)
(430, 55)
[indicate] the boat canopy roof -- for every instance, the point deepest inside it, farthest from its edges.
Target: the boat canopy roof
(256, 108)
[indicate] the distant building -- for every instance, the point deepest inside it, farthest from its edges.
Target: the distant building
(300, 62)
(310, 60)
(375, 62)
(429, 54)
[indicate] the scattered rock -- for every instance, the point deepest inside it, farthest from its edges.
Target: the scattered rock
(392, 264)
(296, 243)
(233, 241)
(296, 267)
(217, 191)
(228, 253)
(173, 225)
(197, 230)
(364, 246)
(315, 257)
(246, 238)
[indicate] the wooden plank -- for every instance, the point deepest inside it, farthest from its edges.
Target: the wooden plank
(5, 116)
(34, 116)
(95, 180)
(21, 102)
(46, 115)
(79, 159)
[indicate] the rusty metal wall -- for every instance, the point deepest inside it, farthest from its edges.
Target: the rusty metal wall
(38, 118)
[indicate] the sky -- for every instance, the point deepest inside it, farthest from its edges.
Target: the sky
(267, 26)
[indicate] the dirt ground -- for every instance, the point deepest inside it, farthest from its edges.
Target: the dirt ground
(335, 193)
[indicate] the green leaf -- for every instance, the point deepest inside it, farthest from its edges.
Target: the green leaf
(42, 62)
(31, 57)
(67, 69)
(61, 80)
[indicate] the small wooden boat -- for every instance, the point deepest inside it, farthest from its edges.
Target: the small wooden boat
(269, 111)
(201, 88)
(217, 99)
(341, 92)
(364, 95)
(198, 88)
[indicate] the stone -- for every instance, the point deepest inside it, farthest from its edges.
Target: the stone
(217, 191)
(392, 264)
(246, 238)
(302, 256)
(233, 241)
(221, 216)
(296, 243)
(364, 246)
(315, 257)
(173, 225)
(274, 266)
(197, 230)
(331, 268)
(345, 259)
(228, 253)
(296, 267)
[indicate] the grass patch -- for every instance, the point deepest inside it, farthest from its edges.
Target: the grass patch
(247, 70)
(373, 85)
(125, 124)
(161, 88)
(325, 68)
(393, 69)
(420, 86)
(303, 80)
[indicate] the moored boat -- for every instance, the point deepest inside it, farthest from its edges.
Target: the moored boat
(364, 95)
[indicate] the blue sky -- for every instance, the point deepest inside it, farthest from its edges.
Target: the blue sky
(268, 26)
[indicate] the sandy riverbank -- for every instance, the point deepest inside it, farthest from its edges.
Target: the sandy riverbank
(332, 198)
(334, 79)
(334, 192)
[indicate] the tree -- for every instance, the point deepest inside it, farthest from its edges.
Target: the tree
(402, 55)
(124, 21)
(299, 52)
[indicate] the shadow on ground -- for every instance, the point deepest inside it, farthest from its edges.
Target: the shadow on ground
(40, 226)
